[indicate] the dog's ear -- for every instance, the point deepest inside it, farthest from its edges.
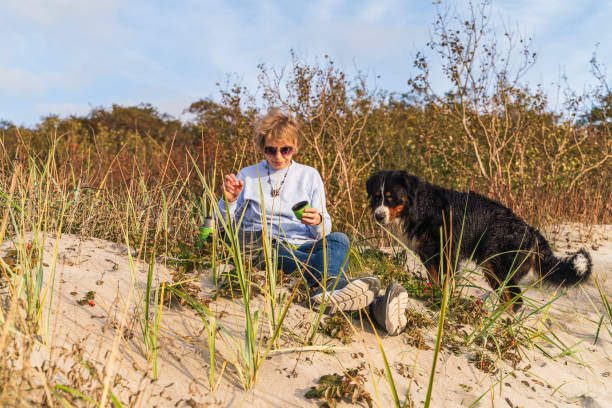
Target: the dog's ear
(410, 184)
(371, 183)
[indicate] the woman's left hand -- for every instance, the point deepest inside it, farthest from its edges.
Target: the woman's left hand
(311, 216)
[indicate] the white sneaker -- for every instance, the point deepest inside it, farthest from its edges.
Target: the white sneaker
(389, 310)
(355, 294)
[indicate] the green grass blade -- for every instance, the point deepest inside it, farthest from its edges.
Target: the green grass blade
(76, 393)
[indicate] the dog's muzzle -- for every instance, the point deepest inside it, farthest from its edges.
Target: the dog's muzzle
(381, 214)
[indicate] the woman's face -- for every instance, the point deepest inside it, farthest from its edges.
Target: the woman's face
(279, 154)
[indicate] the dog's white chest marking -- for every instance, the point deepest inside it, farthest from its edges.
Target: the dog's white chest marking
(397, 228)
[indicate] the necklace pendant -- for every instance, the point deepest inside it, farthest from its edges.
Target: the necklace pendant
(275, 192)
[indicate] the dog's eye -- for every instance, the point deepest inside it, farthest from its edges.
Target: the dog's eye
(377, 194)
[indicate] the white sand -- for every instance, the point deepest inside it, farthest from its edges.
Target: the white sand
(581, 379)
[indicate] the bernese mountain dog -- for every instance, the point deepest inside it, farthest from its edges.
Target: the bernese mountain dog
(483, 230)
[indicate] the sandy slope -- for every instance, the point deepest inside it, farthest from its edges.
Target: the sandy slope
(583, 379)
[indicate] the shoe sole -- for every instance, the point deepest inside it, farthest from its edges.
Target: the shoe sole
(356, 295)
(395, 319)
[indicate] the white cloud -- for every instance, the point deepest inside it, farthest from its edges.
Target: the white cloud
(323, 11)
(533, 15)
(16, 81)
(72, 27)
(51, 12)
(376, 11)
(22, 82)
(364, 33)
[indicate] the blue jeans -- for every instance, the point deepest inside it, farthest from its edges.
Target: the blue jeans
(311, 259)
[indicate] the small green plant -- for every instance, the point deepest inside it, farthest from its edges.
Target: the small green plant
(509, 336)
(228, 284)
(339, 327)
(88, 299)
(467, 310)
(484, 362)
(333, 388)
(416, 321)
(387, 266)
(423, 290)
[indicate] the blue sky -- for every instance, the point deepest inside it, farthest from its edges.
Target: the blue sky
(66, 56)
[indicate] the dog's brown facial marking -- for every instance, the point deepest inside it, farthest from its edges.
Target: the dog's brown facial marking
(387, 206)
(388, 196)
(394, 212)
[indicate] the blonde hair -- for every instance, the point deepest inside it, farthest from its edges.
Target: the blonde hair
(278, 126)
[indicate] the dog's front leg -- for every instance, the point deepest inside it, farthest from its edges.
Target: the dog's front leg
(433, 270)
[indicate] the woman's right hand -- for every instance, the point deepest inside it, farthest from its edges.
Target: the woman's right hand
(232, 187)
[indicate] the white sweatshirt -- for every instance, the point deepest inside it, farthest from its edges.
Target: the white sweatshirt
(302, 183)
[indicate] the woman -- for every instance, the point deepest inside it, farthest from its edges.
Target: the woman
(267, 191)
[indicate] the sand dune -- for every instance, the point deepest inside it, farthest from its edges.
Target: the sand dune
(580, 378)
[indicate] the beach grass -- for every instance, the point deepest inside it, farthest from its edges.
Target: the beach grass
(139, 179)
(148, 222)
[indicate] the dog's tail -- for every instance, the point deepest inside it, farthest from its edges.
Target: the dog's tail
(563, 271)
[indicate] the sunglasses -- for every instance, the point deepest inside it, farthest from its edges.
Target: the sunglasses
(271, 150)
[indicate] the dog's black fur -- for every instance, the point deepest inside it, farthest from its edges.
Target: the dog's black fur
(486, 231)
